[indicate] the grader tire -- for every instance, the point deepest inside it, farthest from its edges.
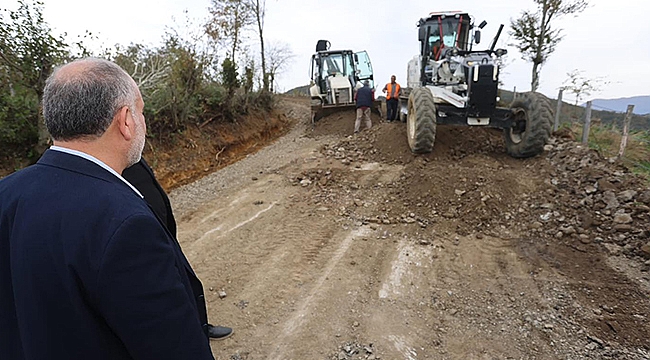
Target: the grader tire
(421, 121)
(533, 119)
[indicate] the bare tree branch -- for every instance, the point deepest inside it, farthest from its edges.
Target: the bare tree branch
(279, 55)
(536, 38)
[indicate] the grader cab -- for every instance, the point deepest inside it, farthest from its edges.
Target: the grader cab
(451, 83)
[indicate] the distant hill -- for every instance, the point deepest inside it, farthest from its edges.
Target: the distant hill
(299, 91)
(641, 104)
(576, 114)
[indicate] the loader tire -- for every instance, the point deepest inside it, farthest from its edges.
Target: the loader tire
(421, 121)
(533, 119)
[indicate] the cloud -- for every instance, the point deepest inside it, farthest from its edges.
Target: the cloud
(607, 40)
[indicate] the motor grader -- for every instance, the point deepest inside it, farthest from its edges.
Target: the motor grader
(450, 83)
(335, 77)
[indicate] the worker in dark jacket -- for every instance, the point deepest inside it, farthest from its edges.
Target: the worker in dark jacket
(364, 98)
(142, 177)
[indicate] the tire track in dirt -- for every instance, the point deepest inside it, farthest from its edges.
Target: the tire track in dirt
(236, 226)
(297, 319)
(290, 259)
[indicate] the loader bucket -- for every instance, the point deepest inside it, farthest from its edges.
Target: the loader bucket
(320, 111)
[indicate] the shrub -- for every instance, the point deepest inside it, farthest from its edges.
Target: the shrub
(18, 119)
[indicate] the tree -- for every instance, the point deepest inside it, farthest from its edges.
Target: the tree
(259, 8)
(278, 55)
(30, 52)
(535, 34)
(248, 76)
(581, 86)
(229, 20)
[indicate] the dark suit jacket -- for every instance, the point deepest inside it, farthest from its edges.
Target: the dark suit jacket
(87, 271)
(142, 177)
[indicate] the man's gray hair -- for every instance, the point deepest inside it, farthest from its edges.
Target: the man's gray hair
(83, 103)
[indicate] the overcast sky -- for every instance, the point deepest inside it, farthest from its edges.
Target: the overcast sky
(609, 39)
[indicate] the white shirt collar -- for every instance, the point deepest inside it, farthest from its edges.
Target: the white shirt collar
(96, 161)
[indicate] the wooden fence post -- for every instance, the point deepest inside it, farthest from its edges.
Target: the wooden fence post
(556, 124)
(626, 129)
(585, 129)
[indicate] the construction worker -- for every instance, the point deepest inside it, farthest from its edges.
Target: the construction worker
(364, 98)
(392, 90)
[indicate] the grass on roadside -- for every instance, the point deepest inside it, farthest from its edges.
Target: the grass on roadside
(606, 139)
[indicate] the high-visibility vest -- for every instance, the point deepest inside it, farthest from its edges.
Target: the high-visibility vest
(392, 93)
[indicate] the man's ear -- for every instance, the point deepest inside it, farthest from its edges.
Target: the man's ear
(125, 123)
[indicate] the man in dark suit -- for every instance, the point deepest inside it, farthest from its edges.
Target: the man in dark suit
(87, 271)
(142, 177)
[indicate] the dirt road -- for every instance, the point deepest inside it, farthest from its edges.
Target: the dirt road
(331, 246)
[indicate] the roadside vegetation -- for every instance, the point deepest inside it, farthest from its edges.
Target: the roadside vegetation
(199, 74)
(606, 138)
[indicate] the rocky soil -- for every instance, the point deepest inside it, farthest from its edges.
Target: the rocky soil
(329, 245)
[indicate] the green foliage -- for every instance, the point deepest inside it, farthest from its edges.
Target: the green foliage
(183, 83)
(606, 138)
(18, 109)
(171, 80)
(27, 46)
(229, 19)
(249, 75)
(245, 103)
(178, 89)
(535, 35)
(581, 86)
(28, 54)
(229, 76)
(240, 101)
(212, 98)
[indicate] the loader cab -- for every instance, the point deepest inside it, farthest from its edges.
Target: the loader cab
(356, 67)
(444, 30)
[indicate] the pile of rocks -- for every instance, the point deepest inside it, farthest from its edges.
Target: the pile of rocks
(355, 351)
(592, 199)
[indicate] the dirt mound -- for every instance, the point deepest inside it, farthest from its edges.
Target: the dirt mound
(389, 139)
(570, 208)
(333, 240)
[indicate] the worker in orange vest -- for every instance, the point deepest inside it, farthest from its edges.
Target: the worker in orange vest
(392, 90)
